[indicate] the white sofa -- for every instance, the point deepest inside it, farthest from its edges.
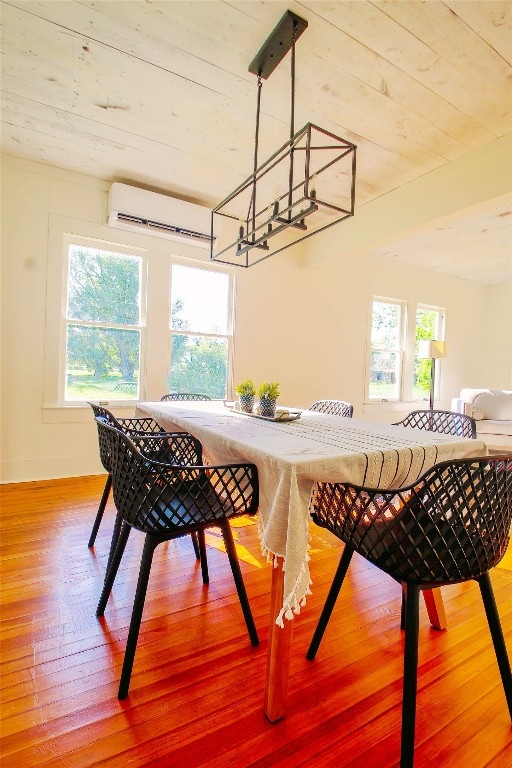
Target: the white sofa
(492, 411)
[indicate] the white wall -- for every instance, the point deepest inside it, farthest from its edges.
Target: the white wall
(298, 321)
(315, 330)
(496, 355)
(39, 204)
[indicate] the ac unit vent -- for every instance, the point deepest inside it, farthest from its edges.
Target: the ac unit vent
(162, 227)
(150, 213)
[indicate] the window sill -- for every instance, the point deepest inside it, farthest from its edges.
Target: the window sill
(81, 413)
(394, 405)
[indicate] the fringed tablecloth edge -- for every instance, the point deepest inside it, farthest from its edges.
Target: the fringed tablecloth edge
(291, 603)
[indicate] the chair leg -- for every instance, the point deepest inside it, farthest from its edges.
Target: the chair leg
(332, 596)
(402, 610)
(199, 544)
(138, 605)
(239, 582)
(113, 568)
(193, 536)
(101, 509)
(498, 640)
(412, 612)
(115, 536)
(203, 556)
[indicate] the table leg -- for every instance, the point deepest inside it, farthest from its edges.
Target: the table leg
(278, 655)
(435, 608)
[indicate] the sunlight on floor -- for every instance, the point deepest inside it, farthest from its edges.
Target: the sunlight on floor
(506, 563)
(214, 539)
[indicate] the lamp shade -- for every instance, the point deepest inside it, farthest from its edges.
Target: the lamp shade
(429, 348)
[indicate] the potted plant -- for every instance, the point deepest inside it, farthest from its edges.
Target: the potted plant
(246, 391)
(268, 394)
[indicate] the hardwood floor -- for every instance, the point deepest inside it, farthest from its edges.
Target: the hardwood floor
(197, 688)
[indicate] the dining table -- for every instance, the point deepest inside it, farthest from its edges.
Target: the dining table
(293, 452)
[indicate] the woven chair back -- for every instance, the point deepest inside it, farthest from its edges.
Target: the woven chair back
(103, 441)
(163, 499)
(185, 396)
(451, 525)
(333, 408)
(178, 448)
(447, 422)
(143, 425)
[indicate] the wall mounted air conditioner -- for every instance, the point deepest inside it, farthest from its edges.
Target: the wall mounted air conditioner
(150, 213)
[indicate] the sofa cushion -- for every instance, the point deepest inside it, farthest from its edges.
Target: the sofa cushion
(490, 427)
(494, 406)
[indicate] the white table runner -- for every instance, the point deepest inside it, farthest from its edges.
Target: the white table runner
(291, 456)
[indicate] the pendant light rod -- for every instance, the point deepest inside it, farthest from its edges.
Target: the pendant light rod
(256, 141)
(292, 118)
(292, 88)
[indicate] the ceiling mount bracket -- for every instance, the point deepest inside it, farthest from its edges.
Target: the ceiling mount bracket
(277, 45)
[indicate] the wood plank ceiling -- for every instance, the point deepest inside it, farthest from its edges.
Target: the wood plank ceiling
(158, 94)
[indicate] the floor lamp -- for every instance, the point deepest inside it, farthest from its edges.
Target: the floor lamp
(433, 350)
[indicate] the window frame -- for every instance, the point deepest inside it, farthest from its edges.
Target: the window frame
(230, 310)
(409, 311)
(157, 259)
(400, 350)
(69, 242)
(439, 334)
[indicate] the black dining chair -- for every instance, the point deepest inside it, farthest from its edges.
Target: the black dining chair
(185, 396)
(447, 422)
(179, 448)
(164, 502)
(333, 407)
(450, 526)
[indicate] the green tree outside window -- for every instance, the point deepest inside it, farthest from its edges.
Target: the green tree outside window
(103, 312)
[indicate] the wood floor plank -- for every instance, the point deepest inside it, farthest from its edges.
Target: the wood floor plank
(197, 688)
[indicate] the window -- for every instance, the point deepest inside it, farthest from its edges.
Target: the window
(200, 331)
(386, 349)
(128, 322)
(103, 325)
(429, 325)
(395, 371)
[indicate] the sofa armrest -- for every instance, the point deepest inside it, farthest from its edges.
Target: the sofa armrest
(462, 406)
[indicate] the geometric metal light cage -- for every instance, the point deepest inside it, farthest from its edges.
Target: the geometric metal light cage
(306, 186)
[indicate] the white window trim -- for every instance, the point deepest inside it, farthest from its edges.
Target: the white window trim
(230, 326)
(70, 240)
(439, 335)
(61, 232)
(408, 332)
(401, 350)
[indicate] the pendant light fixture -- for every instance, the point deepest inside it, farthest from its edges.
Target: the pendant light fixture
(306, 186)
